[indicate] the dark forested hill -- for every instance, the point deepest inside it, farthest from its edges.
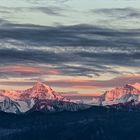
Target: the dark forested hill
(96, 123)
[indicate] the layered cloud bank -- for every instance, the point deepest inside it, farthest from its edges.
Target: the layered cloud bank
(93, 46)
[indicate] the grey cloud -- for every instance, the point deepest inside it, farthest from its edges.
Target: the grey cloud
(49, 10)
(58, 60)
(119, 12)
(122, 59)
(75, 50)
(61, 1)
(57, 11)
(3, 22)
(79, 35)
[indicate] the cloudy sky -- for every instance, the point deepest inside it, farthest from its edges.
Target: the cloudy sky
(79, 47)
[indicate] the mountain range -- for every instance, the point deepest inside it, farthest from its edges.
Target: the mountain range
(40, 97)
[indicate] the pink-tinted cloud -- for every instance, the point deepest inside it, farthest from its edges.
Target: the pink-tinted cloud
(86, 84)
(80, 86)
(20, 69)
(28, 70)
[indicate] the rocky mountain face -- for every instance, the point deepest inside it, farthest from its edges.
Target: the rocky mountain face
(119, 95)
(41, 91)
(56, 106)
(7, 105)
(40, 97)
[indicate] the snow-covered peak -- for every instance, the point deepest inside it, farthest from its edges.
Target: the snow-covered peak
(118, 95)
(38, 85)
(42, 91)
(41, 87)
(136, 85)
(120, 91)
(122, 94)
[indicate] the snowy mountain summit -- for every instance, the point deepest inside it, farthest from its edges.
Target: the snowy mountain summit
(123, 94)
(40, 97)
(42, 91)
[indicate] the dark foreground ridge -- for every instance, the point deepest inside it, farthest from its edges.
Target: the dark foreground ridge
(96, 123)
